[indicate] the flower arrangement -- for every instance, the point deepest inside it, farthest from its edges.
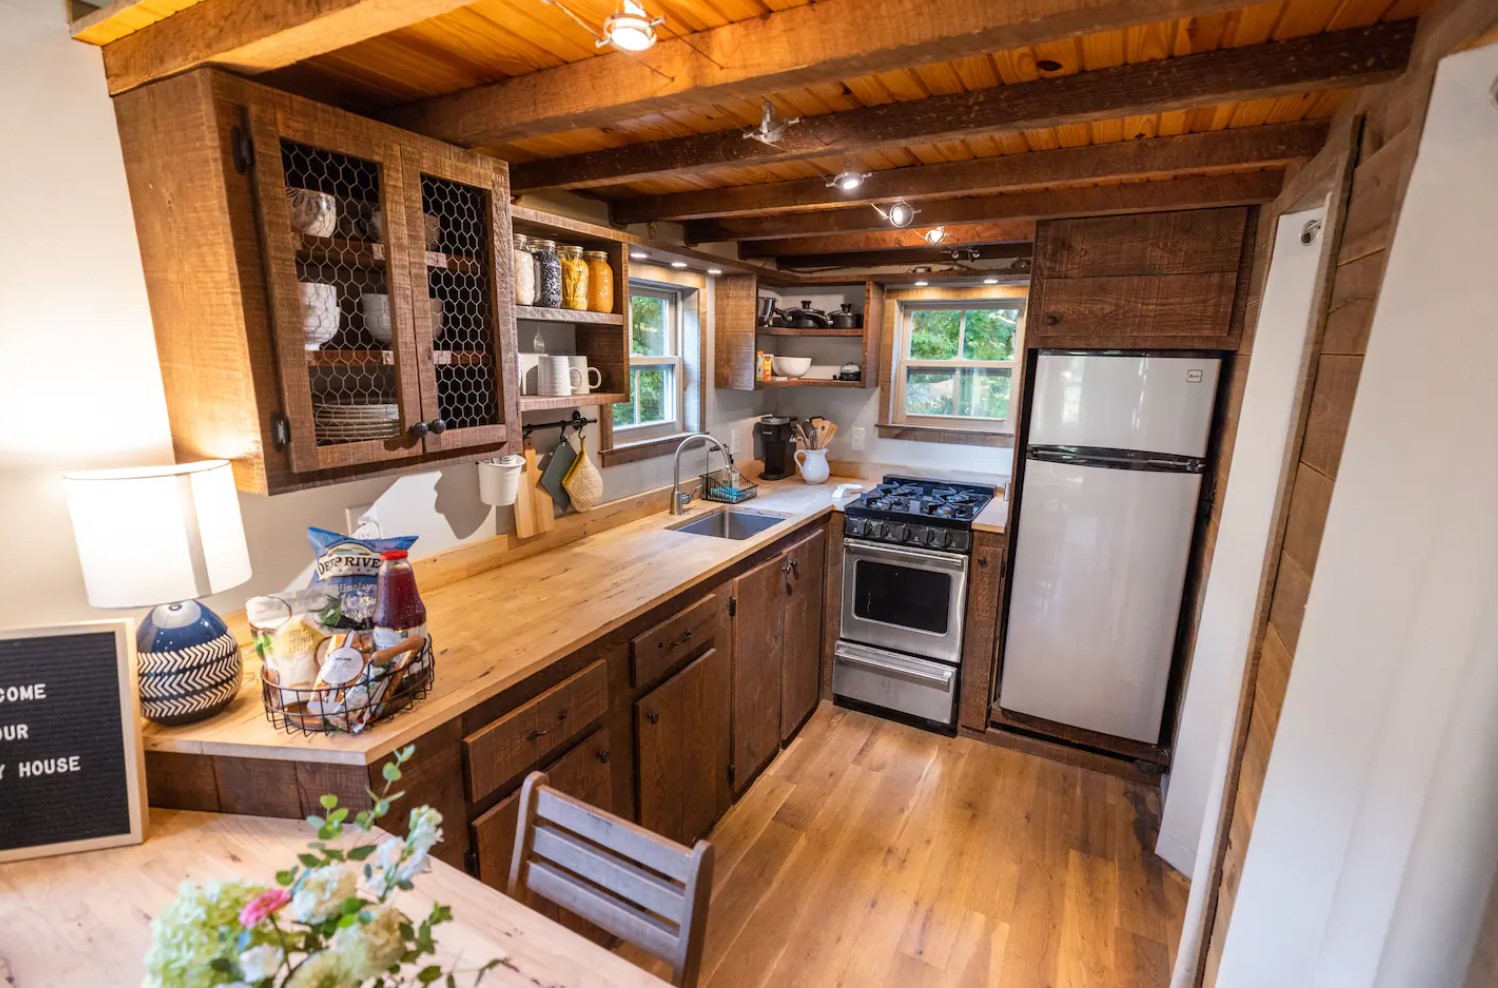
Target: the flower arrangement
(320, 926)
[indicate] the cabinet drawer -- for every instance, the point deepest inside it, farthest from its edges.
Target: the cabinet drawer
(663, 647)
(522, 738)
(583, 772)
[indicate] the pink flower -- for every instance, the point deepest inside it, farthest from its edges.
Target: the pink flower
(262, 906)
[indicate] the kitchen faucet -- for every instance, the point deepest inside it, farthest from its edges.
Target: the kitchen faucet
(679, 498)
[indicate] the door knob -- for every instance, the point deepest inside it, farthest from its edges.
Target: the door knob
(438, 426)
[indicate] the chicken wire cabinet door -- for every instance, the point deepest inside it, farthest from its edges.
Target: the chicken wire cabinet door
(461, 293)
(332, 207)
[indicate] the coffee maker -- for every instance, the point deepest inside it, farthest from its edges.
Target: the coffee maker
(777, 436)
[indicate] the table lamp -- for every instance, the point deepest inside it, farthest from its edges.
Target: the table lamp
(160, 537)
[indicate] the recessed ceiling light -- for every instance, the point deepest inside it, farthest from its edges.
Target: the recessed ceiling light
(922, 283)
(935, 235)
(678, 264)
(714, 270)
(630, 28)
(990, 281)
(639, 255)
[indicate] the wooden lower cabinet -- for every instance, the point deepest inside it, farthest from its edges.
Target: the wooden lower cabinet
(681, 730)
(800, 681)
(758, 657)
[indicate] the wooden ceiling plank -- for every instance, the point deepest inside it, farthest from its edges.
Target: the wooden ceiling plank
(819, 42)
(1325, 61)
(1001, 232)
(1245, 148)
(900, 255)
(254, 36)
(1199, 192)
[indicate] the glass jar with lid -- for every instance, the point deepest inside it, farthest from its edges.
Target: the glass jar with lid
(574, 277)
(548, 273)
(525, 271)
(600, 281)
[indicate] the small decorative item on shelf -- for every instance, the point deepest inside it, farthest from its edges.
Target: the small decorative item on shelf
(319, 925)
(375, 308)
(319, 313)
(548, 274)
(600, 281)
(525, 272)
(167, 534)
(574, 277)
(313, 213)
(728, 486)
(850, 372)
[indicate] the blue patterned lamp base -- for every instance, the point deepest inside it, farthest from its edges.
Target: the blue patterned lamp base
(189, 663)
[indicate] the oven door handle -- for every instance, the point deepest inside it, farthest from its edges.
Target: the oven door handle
(938, 560)
(896, 667)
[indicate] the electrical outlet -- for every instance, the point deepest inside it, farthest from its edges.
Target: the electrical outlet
(356, 516)
(733, 442)
(860, 438)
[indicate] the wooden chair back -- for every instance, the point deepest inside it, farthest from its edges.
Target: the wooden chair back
(646, 890)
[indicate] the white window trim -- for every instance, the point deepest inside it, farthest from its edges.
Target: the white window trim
(625, 434)
(905, 362)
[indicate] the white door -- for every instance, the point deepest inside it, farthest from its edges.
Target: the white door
(1159, 404)
(1098, 573)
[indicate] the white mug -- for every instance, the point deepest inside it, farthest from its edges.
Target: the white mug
(591, 377)
(530, 373)
(558, 376)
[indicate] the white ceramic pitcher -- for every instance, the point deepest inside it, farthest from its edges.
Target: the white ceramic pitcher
(813, 465)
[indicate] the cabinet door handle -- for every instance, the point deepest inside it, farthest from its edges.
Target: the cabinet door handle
(419, 430)
(653, 717)
(534, 734)
(603, 756)
(1052, 318)
(437, 426)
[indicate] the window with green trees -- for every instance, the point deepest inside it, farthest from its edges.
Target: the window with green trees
(655, 363)
(957, 364)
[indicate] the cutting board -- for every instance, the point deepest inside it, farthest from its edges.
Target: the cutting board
(533, 514)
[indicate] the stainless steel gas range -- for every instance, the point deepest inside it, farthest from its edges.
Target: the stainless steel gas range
(905, 559)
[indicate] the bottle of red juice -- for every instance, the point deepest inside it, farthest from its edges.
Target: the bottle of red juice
(399, 612)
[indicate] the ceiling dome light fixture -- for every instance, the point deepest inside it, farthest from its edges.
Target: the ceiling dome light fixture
(678, 265)
(638, 255)
(715, 271)
(630, 28)
(898, 214)
(935, 235)
(990, 281)
(922, 283)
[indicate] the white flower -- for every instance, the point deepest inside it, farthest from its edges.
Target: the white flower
(388, 854)
(324, 970)
(322, 894)
(259, 963)
(416, 864)
(369, 949)
(425, 830)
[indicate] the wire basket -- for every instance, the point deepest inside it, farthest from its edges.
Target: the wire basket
(719, 486)
(351, 708)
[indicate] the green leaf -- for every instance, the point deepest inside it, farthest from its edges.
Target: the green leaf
(429, 974)
(334, 854)
(221, 965)
(440, 914)
(361, 852)
(349, 920)
(328, 801)
(391, 771)
(309, 860)
(352, 905)
(286, 877)
(316, 822)
(328, 832)
(339, 815)
(381, 808)
(404, 755)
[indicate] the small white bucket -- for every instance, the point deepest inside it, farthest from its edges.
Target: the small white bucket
(499, 480)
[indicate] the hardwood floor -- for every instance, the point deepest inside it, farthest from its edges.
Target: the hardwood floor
(871, 853)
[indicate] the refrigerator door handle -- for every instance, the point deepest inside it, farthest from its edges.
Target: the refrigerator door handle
(1116, 459)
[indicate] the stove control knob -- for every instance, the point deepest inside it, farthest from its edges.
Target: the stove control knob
(856, 526)
(897, 531)
(961, 541)
(877, 529)
(936, 538)
(915, 534)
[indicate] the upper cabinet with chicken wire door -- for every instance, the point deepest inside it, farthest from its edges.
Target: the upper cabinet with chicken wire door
(332, 296)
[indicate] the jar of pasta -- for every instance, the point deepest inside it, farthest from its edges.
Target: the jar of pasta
(574, 277)
(525, 272)
(600, 281)
(548, 273)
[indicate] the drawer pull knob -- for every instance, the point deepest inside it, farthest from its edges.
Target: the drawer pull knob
(1052, 318)
(603, 756)
(653, 717)
(534, 734)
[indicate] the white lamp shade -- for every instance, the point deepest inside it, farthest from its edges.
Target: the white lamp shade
(155, 535)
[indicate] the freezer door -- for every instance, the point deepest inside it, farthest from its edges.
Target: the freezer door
(1099, 566)
(1160, 404)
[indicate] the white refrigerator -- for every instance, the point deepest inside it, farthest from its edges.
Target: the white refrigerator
(1112, 483)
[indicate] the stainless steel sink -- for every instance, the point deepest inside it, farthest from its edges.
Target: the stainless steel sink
(728, 523)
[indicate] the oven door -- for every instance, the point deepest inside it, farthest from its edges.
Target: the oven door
(908, 600)
(914, 687)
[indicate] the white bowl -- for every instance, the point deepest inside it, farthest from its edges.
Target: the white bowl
(313, 213)
(791, 366)
(319, 313)
(376, 309)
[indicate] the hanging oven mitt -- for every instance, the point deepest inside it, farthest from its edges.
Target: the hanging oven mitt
(583, 482)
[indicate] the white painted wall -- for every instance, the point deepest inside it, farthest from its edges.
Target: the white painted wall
(1258, 468)
(1376, 838)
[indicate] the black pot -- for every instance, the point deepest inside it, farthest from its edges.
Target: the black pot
(806, 317)
(846, 318)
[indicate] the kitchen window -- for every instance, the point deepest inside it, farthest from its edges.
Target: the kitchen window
(657, 376)
(956, 365)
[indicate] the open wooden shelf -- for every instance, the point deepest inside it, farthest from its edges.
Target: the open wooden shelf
(788, 331)
(367, 254)
(386, 358)
(801, 382)
(541, 314)
(536, 403)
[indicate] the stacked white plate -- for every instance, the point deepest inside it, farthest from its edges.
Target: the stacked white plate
(352, 423)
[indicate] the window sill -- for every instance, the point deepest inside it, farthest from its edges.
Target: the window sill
(957, 437)
(645, 449)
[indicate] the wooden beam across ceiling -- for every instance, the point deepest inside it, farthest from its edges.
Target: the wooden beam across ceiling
(253, 36)
(1160, 157)
(1313, 63)
(802, 46)
(780, 235)
(1004, 232)
(904, 256)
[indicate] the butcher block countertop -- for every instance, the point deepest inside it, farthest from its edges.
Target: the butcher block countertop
(83, 919)
(495, 629)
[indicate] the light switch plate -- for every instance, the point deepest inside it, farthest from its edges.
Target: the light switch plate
(860, 438)
(356, 515)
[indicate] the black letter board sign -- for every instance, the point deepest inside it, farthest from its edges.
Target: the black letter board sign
(71, 765)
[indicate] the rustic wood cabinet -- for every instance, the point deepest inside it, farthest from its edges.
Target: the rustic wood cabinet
(800, 683)
(681, 731)
(1158, 280)
(332, 297)
(738, 336)
(758, 656)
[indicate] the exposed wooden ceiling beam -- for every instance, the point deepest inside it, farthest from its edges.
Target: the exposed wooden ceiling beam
(1308, 64)
(780, 235)
(1004, 231)
(902, 256)
(1160, 157)
(802, 46)
(253, 36)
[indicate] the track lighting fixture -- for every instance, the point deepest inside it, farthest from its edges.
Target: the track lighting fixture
(628, 28)
(935, 235)
(847, 180)
(898, 214)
